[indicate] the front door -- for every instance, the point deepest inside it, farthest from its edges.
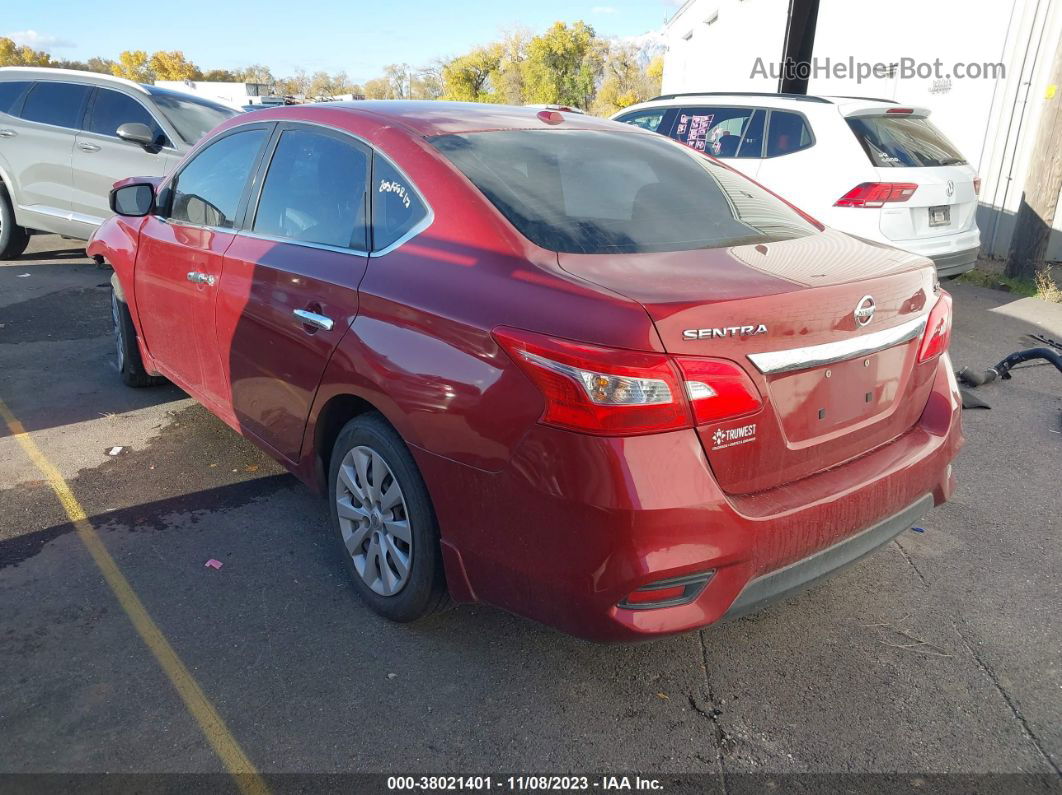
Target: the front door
(100, 156)
(179, 260)
(288, 291)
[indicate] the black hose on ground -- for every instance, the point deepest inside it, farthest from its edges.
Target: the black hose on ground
(1002, 370)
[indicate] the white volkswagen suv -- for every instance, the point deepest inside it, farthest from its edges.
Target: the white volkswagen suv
(869, 167)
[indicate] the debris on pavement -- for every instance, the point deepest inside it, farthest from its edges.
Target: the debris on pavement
(214, 564)
(116, 450)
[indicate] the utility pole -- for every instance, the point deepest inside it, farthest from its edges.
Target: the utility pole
(799, 46)
(1043, 180)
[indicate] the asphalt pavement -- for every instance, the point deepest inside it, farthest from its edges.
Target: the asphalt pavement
(940, 654)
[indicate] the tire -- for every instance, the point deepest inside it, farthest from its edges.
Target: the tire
(389, 542)
(13, 238)
(126, 351)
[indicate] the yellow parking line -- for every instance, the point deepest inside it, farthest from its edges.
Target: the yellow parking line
(217, 733)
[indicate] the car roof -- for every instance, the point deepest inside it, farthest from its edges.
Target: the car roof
(428, 118)
(47, 73)
(804, 102)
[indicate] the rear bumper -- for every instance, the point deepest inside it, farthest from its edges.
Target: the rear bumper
(576, 523)
(955, 263)
(802, 574)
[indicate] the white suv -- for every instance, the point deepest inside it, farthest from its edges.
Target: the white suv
(869, 167)
(67, 136)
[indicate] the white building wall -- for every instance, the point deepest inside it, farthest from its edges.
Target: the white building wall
(713, 45)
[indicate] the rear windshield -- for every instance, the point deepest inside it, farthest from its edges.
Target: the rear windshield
(904, 142)
(192, 117)
(597, 192)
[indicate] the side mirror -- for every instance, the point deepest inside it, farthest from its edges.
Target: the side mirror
(137, 133)
(133, 201)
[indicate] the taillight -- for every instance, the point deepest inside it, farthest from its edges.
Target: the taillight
(938, 329)
(899, 111)
(717, 389)
(599, 390)
(876, 194)
(617, 392)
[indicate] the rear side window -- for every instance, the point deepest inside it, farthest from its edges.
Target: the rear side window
(10, 91)
(314, 191)
(112, 109)
(752, 136)
(904, 142)
(397, 210)
(60, 104)
(787, 132)
(717, 131)
(207, 191)
(652, 120)
(595, 192)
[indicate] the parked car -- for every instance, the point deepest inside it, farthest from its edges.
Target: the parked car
(868, 167)
(541, 360)
(66, 136)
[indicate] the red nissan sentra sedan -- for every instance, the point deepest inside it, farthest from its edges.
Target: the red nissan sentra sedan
(553, 363)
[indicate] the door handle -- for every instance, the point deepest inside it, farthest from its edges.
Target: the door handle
(195, 277)
(313, 319)
(5, 133)
(88, 147)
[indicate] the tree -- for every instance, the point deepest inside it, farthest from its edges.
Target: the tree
(466, 78)
(173, 65)
(563, 65)
(219, 76)
(507, 81)
(378, 88)
(133, 65)
(625, 81)
(398, 75)
(12, 54)
(298, 85)
(255, 73)
(104, 66)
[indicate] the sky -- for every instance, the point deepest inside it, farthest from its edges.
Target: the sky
(356, 36)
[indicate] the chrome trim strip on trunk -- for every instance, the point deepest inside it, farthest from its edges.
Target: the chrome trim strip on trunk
(830, 352)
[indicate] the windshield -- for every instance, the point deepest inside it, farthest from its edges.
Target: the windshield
(904, 142)
(596, 192)
(192, 117)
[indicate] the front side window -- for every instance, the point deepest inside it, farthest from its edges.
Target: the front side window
(396, 207)
(10, 92)
(596, 192)
(112, 109)
(314, 191)
(55, 103)
(904, 142)
(651, 120)
(207, 191)
(787, 132)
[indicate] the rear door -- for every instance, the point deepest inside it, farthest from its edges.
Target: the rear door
(39, 146)
(903, 146)
(179, 259)
(289, 288)
(733, 134)
(100, 157)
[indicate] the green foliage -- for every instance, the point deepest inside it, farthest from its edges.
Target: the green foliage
(467, 77)
(563, 65)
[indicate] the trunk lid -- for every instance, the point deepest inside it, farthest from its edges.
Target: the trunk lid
(771, 308)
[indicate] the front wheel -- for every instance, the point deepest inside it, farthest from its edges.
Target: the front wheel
(13, 238)
(384, 523)
(126, 351)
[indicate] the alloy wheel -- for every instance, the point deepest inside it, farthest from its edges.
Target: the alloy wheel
(374, 521)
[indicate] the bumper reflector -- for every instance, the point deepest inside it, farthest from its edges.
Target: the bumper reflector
(667, 593)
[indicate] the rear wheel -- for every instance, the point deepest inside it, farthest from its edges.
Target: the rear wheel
(126, 351)
(13, 238)
(384, 523)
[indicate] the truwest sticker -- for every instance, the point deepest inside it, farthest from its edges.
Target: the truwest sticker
(732, 437)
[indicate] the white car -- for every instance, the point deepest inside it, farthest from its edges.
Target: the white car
(869, 167)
